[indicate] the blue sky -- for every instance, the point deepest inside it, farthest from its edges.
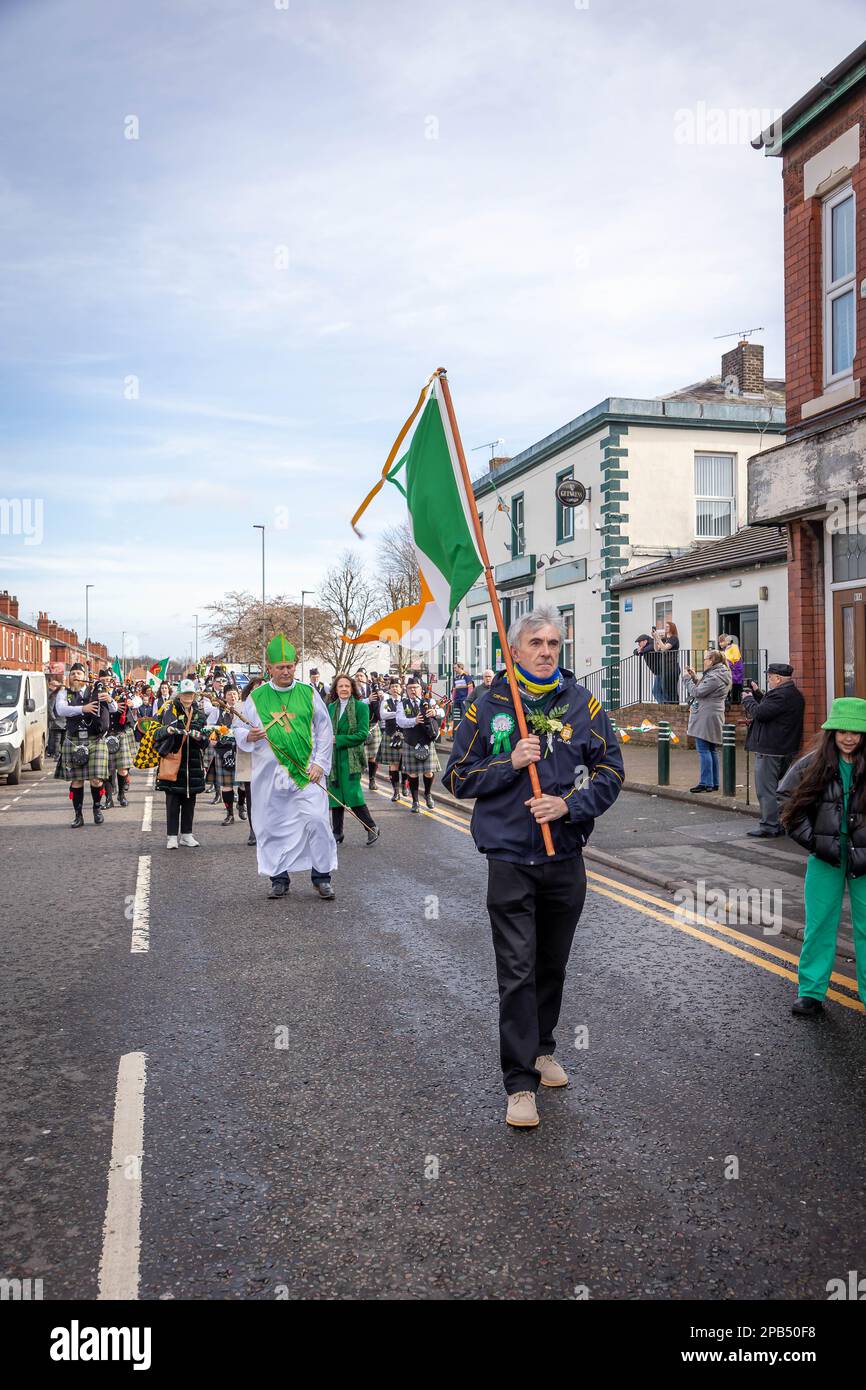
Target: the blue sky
(325, 202)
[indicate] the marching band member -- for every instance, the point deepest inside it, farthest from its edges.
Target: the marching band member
(374, 738)
(291, 740)
(392, 740)
(86, 709)
(225, 752)
(420, 730)
(121, 757)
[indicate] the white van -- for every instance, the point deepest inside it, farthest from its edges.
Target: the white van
(23, 722)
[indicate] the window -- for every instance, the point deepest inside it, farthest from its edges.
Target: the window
(479, 645)
(849, 556)
(518, 606)
(566, 656)
(838, 260)
(663, 609)
(564, 515)
(518, 532)
(714, 495)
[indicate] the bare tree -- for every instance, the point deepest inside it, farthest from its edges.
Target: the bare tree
(399, 586)
(351, 603)
(239, 628)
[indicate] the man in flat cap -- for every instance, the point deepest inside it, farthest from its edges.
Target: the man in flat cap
(775, 734)
(291, 739)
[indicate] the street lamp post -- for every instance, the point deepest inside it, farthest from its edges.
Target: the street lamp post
(304, 593)
(87, 589)
(257, 527)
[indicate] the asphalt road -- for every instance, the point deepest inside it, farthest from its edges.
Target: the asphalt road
(323, 1112)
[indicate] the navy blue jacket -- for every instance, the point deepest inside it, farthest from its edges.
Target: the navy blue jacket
(584, 766)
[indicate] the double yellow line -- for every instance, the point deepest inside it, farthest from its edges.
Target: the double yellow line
(760, 953)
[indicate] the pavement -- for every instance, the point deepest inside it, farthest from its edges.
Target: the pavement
(698, 848)
(318, 1089)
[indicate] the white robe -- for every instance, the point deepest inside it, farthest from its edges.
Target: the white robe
(291, 823)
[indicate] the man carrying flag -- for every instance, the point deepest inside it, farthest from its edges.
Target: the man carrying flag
(537, 794)
(291, 738)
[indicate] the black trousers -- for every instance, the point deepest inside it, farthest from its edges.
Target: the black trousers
(179, 810)
(338, 814)
(534, 909)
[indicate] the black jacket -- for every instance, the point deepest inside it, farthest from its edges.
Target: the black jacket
(819, 830)
(169, 737)
(775, 719)
(584, 766)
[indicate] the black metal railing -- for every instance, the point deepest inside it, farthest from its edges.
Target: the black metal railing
(632, 680)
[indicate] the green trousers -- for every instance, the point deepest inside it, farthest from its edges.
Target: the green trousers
(825, 893)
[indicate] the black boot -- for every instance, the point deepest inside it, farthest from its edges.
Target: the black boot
(428, 796)
(78, 822)
(395, 783)
(229, 818)
(373, 835)
(98, 817)
(77, 797)
(807, 1008)
(242, 810)
(122, 783)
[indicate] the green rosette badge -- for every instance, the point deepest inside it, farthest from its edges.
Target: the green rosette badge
(501, 727)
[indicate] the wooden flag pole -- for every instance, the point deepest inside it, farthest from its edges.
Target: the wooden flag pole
(494, 597)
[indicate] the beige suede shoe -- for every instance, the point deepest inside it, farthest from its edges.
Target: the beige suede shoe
(521, 1110)
(552, 1074)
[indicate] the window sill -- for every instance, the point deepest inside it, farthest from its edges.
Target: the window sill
(833, 395)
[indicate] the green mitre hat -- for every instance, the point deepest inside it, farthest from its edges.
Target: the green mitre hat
(280, 649)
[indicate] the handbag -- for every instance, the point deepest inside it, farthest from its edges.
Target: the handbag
(169, 763)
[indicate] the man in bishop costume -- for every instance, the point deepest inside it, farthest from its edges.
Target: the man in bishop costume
(291, 738)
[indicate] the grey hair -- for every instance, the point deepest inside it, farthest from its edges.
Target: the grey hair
(545, 616)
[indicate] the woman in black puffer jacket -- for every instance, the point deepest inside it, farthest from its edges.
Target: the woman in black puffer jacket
(184, 727)
(823, 800)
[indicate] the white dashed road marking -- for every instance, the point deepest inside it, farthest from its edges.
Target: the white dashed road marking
(141, 907)
(147, 814)
(121, 1233)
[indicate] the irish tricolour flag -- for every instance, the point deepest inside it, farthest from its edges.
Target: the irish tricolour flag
(440, 517)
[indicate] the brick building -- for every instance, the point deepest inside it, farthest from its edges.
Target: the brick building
(22, 648)
(815, 483)
(44, 647)
(66, 647)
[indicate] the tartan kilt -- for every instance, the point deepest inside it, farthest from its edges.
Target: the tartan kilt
(413, 766)
(125, 755)
(96, 767)
(389, 755)
(373, 743)
(223, 777)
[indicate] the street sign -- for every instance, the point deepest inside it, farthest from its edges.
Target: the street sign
(570, 492)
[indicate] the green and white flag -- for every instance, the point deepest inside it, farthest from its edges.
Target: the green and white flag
(440, 517)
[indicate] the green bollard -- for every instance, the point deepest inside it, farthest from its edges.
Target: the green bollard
(729, 759)
(664, 753)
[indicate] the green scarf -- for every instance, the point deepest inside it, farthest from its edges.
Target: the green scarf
(357, 752)
(292, 746)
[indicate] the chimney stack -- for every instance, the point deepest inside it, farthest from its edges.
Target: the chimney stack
(743, 369)
(495, 462)
(8, 605)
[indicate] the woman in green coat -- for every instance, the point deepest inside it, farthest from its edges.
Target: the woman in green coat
(350, 717)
